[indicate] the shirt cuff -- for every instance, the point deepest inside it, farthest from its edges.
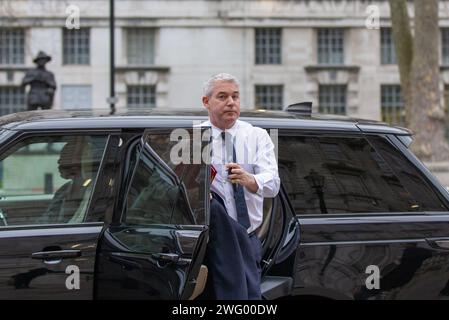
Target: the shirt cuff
(260, 183)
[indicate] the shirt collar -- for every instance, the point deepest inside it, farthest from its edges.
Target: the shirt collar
(216, 132)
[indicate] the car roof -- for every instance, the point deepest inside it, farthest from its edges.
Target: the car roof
(164, 117)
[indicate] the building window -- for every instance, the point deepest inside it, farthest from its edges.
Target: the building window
(76, 97)
(269, 97)
(12, 46)
(76, 46)
(387, 48)
(393, 111)
(445, 45)
(268, 46)
(12, 99)
(141, 96)
(332, 99)
(330, 46)
(140, 46)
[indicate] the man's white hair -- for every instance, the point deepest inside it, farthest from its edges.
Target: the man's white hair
(209, 84)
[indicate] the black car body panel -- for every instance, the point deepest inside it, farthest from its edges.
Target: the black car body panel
(27, 274)
(336, 252)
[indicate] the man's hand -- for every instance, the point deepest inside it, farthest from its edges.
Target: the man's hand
(240, 176)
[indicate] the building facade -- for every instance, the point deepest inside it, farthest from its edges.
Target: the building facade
(282, 51)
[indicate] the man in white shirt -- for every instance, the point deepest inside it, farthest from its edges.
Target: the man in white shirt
(244, 172)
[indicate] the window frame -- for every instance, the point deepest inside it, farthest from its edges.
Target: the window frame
(335, 89)
(158, 162)
(270, 53)
(268, 87)
(141, 97)
(129, 47)
(128, 172)
(387, 47)
(397, 105)
(74, 60)
(326, 54)
(21, 49)
(13, 108)
(24, 135)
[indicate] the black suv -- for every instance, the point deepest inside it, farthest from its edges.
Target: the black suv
(93, 206)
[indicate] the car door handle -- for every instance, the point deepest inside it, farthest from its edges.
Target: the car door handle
(56, 255)
(166, 257)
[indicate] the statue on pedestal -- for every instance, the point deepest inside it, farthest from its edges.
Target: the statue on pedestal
(42, 84)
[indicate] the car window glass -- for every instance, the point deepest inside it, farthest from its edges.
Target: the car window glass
(347, 175)
(49, 180)
(155, 196)
(410, 177)
(191, 174)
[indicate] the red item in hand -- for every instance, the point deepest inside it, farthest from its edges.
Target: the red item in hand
(213, 173)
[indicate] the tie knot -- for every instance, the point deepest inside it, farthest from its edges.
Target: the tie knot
(227, 137)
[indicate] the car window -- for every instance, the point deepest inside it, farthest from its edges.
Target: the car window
(155, 195)
(190, 174)
(49, 180)
(412, 179)
(348, 175)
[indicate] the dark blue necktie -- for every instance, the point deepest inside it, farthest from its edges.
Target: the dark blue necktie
(239, 194)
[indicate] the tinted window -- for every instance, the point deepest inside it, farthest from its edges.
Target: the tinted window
(49, 179)
(409, 175)
(348, 175)
(190, 174)
(155, 195)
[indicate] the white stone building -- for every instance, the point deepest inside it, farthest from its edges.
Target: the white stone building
(283, 51)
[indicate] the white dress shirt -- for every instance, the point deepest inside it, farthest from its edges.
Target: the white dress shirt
(255, 154)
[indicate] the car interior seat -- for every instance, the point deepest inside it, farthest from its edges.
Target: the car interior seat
(262, 230)
(87, 185)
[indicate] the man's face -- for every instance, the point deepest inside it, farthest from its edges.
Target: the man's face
(69, 167)
(223, 104)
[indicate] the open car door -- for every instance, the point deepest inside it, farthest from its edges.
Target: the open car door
(280, 237)
(155, 247)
